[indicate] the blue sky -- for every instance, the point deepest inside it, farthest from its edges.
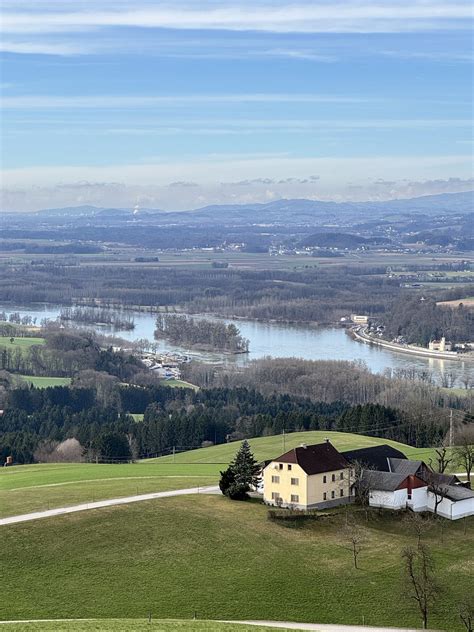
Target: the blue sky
(182, 104)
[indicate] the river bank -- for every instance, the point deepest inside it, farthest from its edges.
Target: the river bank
(283, 341)
(361, 335)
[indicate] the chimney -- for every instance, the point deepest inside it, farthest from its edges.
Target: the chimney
(303, 445)
(327, 440)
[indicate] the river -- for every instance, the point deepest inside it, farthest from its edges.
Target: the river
(283, 340)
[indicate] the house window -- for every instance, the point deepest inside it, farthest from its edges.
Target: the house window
(325, 496)
(324, 479)
(275, 495)
(295, 498)
(280, 465)
(333, 478)
(342, 492)
(409, 495)
(333, 494)
(295, 481)
(341, 476)
(275, 479)
(289, 467)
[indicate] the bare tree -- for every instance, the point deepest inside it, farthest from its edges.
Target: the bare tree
(417, 524)
(354, 538)
(466, 614)
(441, 460)
(419, 573)
(464, 450)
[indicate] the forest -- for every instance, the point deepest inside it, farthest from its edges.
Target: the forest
(308, 294)
(420, 321)
(200, 333)
(37, 421)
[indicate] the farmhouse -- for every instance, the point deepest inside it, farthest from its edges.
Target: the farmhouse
(308, 477)
(319, 476)
(394, 482)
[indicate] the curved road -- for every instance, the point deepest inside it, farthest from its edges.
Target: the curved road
(60, 511)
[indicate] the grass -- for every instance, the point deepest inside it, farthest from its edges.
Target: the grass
(46, 486)
(44, 382)
(180, 384)
(131, 625)
(224, 560)
(270, 447)
(20, 343)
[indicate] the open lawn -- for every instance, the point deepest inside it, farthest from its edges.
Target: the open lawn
(225, 560)
(131, 625)
(26, 488)
(20, 343)
(44, 382)
(179, 384)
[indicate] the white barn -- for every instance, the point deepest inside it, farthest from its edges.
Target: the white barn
(457, 501)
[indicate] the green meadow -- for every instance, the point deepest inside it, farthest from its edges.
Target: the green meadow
(44, 382)
(132, 625)
(37, 487)
(225, 560)
(20, 343)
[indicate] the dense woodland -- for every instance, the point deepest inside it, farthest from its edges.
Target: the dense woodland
(65, 353)
(421, 320)
(201, 333)
(36, 421)
(310, 294)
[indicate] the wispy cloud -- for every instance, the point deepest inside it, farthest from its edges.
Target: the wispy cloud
(123, 101)
(273, 16)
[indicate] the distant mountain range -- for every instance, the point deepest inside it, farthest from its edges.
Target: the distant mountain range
(297, 211)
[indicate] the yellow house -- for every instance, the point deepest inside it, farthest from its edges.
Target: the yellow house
(308, 477)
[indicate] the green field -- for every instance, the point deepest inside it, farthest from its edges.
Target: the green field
(179, 384)
(20, 343)
(224, 560)
(44, 382)
(28, 488)
(132, 625)
(270, 447)
(45, 486)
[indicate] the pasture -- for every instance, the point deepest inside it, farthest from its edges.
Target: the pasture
(44, 382)
(26, 488)
(225, 560)
(132, 625)
(21, 343)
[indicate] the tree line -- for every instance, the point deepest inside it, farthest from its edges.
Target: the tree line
(201, 333)
(184, 419)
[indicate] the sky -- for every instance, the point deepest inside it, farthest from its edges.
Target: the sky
(182, 104)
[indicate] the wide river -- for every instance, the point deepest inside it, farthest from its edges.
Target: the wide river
(281, 340)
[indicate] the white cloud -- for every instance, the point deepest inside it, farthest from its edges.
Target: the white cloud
(123, 101)
(234, 178)
(277, 16)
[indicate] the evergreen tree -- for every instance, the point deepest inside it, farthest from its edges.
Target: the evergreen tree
(242, 475)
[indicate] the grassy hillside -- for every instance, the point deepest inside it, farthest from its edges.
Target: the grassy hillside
(45, 486)
(270, 447)
(132, 625)
(224, 560)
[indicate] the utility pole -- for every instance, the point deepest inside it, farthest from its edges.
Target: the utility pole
(174, 454)
(451, 428)
(284, 450)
